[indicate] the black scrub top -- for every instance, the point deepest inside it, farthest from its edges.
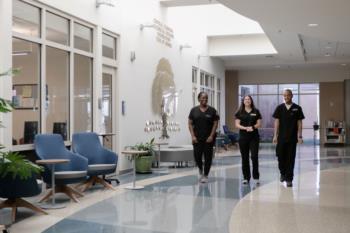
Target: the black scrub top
(248, 119)
(288, 122)
(203, 122)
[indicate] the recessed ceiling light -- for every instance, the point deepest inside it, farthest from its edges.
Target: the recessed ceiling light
(328, 47)
(343, 64)
(312, 25)
(277, 66)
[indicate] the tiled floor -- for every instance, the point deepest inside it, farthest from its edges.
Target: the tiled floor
(174, 201)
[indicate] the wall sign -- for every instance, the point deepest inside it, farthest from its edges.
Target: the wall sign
(165, 34)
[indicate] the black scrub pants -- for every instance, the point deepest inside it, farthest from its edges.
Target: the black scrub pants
(285, 152)
(246, 145)
(199, 149)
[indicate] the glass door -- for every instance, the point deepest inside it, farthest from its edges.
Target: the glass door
(107, 107)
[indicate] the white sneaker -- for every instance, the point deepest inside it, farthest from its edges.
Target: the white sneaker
(245, 182)
(257, 181)
(204, 179)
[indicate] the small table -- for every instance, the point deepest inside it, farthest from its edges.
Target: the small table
(52, 162)
(159, 144)
(134, 153)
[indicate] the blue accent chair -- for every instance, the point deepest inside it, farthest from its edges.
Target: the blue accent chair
(14, 189)
(231, 135)
(101, 160)
(51, 146)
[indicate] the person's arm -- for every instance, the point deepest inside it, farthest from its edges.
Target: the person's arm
(275, 133)
(258, 124)
(190, 127)
(212, 133)
(300, 131)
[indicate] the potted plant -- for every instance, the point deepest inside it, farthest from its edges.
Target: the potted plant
(143, 162)
(12, 164)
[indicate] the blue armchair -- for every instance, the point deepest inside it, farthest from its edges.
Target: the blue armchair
(231, 135)
(51, 146)
(14, 189)
(101, 161)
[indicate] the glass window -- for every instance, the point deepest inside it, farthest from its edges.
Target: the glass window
(206, 83)
(310, 106)
(247, 90)
(82, 37)
(57, 29)
(218, 84)
(218, 102)
(57, 91)
(267, 105)
(109, 44)
(82, 93)
(194, 75)
(26, 19)
(309, 88)
(202, 79)
(267, 89)
(107, 92)
(26, 92)
(293, 87)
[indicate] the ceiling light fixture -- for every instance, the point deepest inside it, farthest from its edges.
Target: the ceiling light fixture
(328, 47)
(327, 55)
(343, 64)
(277, 66)
(312, 25)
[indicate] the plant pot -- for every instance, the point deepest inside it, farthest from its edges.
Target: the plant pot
(143, 164)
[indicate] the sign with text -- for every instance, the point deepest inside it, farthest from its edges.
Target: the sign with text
(165, 34)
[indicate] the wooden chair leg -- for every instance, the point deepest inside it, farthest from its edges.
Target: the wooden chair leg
(47, 196)
(69, 193)
(88, 184)
(104, 183)
(76, 192)
(23, 203)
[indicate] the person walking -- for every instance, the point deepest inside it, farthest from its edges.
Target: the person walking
(248, 120)
(202, 124)
(287, 133)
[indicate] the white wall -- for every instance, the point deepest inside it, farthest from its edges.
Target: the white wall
(135, 78)
(294, 75)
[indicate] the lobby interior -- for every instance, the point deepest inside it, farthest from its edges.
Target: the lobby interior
(130, 71)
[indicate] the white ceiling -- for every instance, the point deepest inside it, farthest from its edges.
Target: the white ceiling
(285, 23)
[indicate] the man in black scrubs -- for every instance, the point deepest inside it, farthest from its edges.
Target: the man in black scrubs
(287, 133)
(202, 123)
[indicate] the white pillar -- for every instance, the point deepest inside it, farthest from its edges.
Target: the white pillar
(5, 64)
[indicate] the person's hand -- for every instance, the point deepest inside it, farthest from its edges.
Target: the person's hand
(249, 129)
(194, 139)
(274, 140)
(210, 139)
(300, 141)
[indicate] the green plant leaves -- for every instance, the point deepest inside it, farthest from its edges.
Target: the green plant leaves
(148, 146)
(14, 164)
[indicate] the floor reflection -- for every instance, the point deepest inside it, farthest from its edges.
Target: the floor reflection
(184, 205)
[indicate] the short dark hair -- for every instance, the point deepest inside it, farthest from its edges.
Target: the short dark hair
(288, 90)
(201, 93)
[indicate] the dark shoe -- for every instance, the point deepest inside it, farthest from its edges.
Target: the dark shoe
(282, 178)
(289, 184)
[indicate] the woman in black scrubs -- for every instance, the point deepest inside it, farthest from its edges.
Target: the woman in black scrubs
(248, 120)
